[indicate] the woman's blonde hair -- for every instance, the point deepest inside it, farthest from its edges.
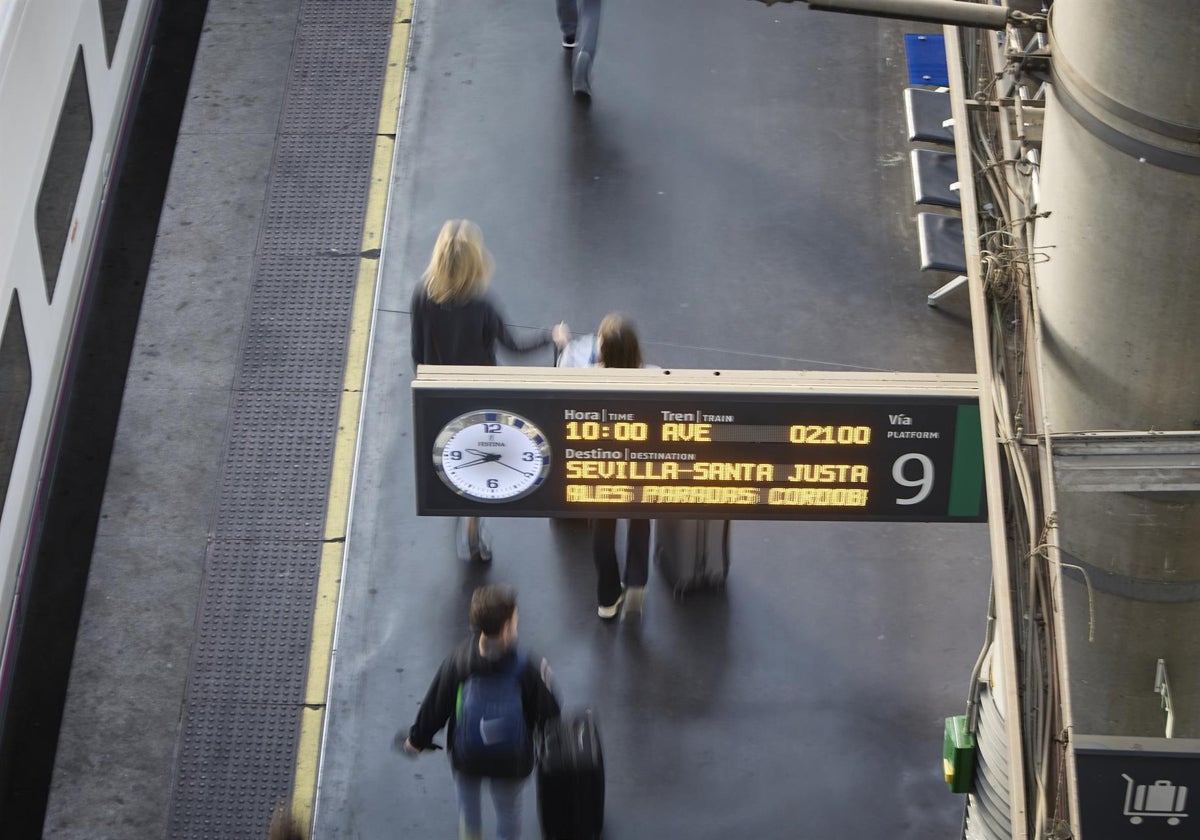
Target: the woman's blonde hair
(461, 266)
(619, 346)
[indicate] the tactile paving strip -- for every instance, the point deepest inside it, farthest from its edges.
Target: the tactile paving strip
(235, 762)
(277, 465)
(343, 95)
(299, 317)
(238, 742)
(256, 595)
(317, 196)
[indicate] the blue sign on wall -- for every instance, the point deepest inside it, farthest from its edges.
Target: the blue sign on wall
(926, 56)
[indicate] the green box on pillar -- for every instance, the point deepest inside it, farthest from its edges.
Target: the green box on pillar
(958, 754)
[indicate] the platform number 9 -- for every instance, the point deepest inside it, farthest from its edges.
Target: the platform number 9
(924, 481)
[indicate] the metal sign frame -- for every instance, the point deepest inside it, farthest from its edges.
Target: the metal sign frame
(550, 442)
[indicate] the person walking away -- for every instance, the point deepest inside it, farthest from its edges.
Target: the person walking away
(585, 53)
(454, 321)
(490, 695)
(617, 346)
(579, 21)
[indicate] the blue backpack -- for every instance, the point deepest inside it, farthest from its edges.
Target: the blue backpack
(491, 737)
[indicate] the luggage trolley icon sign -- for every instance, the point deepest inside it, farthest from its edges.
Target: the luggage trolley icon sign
(1161, 799)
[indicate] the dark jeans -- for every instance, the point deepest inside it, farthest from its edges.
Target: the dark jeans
(588, 34)
(568, 15)
(506, 796)
(604, 554)
(580, 18)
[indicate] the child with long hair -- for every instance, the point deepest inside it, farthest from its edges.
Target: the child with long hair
(617, 346)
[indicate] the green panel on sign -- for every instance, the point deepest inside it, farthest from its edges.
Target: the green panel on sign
(966, 480)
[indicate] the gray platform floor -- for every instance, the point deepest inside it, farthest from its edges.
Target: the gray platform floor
(740, 185)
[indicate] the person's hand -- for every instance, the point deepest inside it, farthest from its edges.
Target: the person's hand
(401, 744)
(561, 334)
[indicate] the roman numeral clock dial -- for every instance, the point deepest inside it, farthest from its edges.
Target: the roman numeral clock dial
(491, 456)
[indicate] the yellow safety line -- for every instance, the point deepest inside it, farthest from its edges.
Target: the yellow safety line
(312, 715)
(389, 109)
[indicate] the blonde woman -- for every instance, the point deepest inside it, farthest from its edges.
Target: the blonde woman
(455, 323)
(453, 320)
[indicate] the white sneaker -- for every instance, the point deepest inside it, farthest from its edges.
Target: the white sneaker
(612, 609)
(634, 596)
(478, 543)
(581, 69)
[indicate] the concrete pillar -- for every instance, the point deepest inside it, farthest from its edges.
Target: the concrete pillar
(1120, 288)
(1119, 291)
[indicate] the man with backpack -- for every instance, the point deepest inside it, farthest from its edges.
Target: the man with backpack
(490, 696)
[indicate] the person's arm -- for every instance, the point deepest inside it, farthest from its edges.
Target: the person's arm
(544, 699)
(436, 708)
(505, 336)
(417, 328)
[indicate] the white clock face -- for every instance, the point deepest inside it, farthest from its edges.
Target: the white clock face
(491, 456)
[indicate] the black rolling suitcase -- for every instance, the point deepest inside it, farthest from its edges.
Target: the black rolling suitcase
(692, 553)
(570, 778)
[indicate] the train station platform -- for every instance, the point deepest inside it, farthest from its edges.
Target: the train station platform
(265, 609)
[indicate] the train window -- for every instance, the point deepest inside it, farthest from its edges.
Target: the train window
(15, 378)
(64, 173)
(112, 12)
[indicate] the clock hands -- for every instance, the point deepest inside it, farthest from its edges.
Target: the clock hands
(490, 458)
(484, 458)
(491, 438)
(511, 467)
(470, 463)
(496, 458)
(487, 456)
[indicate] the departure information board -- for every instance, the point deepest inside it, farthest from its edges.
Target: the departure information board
(697, 444)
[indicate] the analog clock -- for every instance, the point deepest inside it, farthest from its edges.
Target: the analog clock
(491, 456)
